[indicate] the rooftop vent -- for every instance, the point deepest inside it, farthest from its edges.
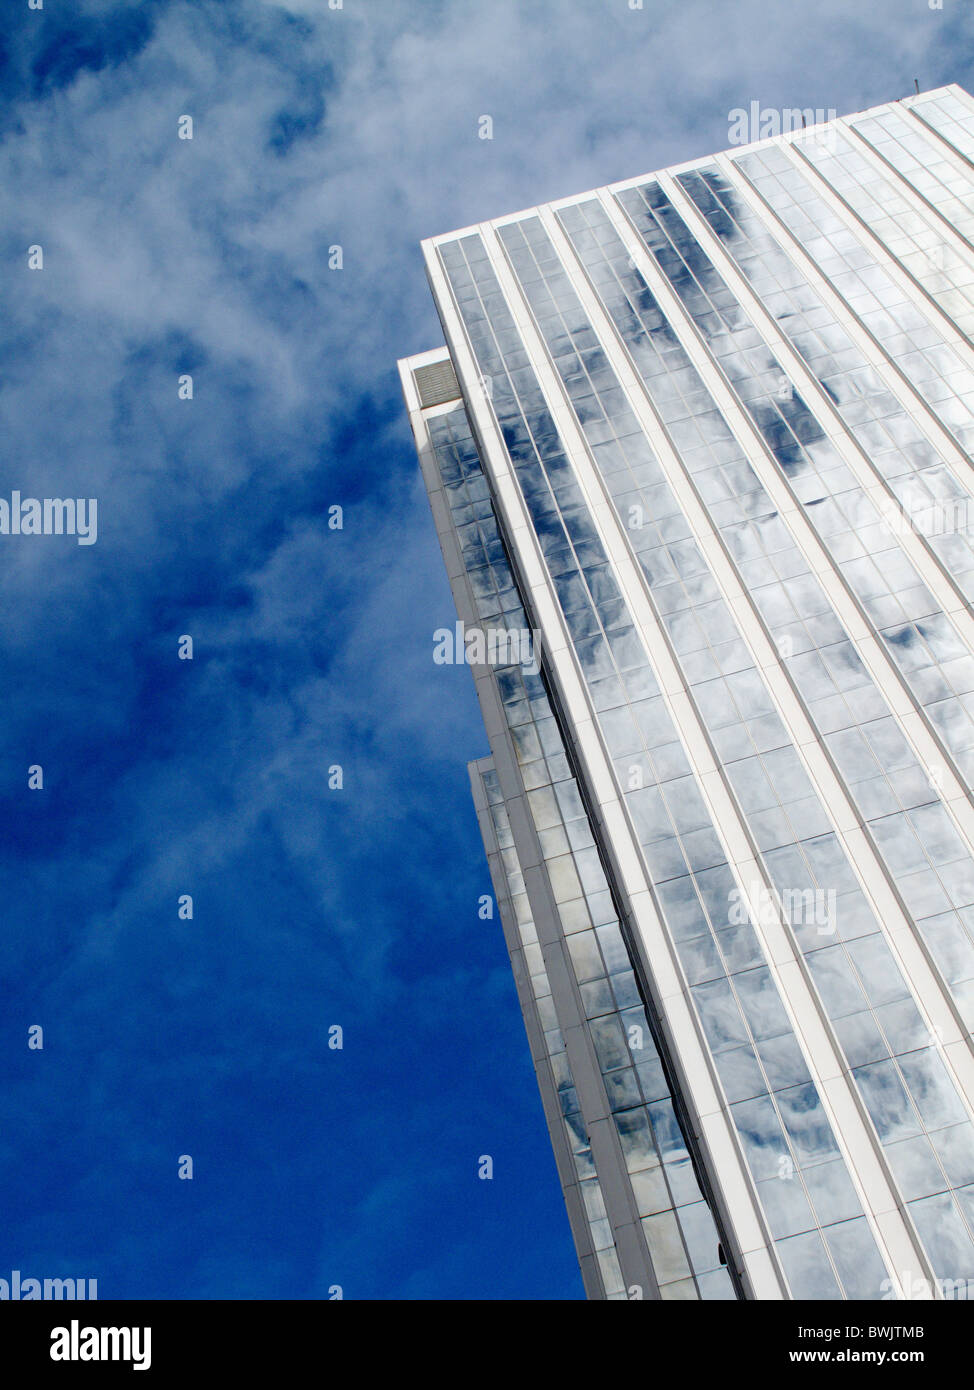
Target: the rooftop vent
(436, 383)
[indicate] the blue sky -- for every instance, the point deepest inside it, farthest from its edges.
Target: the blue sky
(312, 127)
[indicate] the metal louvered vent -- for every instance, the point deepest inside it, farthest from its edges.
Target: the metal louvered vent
(436, 383)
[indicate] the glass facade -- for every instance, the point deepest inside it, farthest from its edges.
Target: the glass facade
(677, 1223)
(705, 421)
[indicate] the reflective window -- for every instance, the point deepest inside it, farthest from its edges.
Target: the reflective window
(882, 775)
(861, 541)
(636, 1087)
(791, 827)
(683, 853)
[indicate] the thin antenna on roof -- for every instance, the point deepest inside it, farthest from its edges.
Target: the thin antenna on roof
(916, 85)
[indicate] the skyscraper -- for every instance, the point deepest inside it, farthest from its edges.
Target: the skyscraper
(699, 453)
